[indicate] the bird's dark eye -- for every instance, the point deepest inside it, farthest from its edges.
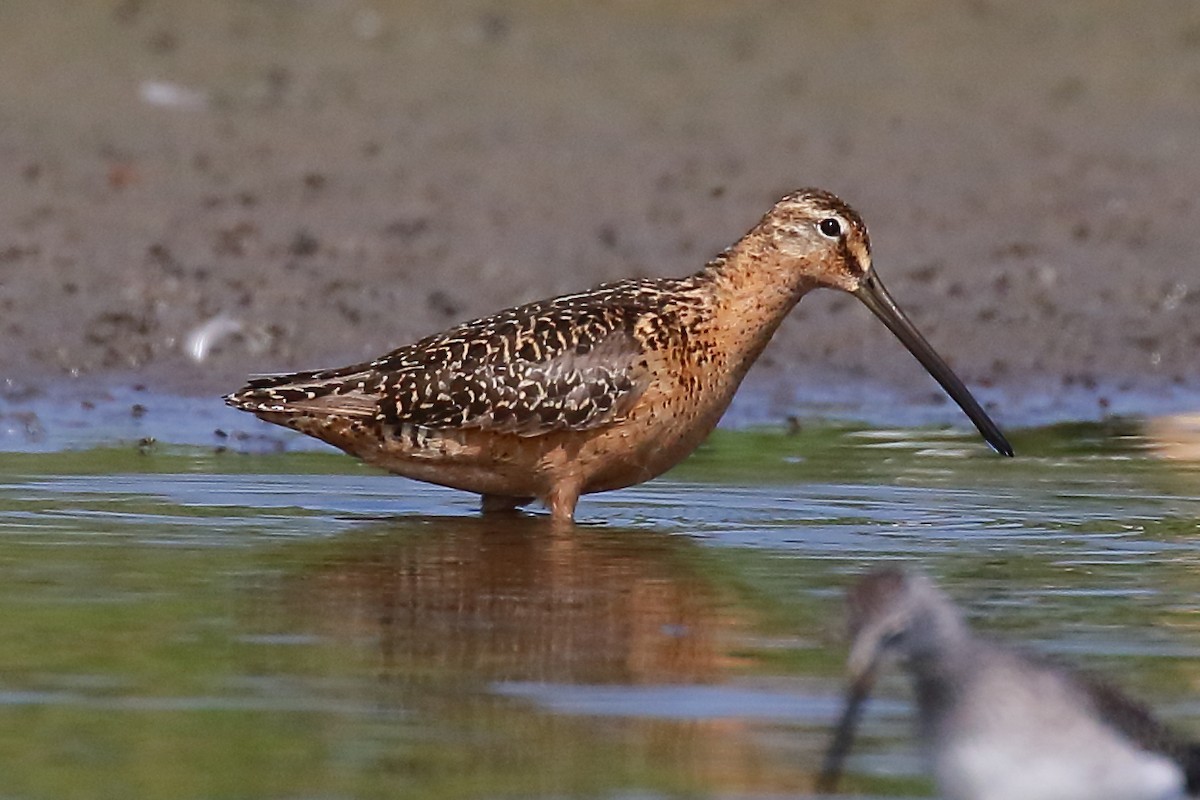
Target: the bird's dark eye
(830, 227)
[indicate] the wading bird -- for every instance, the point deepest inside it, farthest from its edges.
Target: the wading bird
(596, 390)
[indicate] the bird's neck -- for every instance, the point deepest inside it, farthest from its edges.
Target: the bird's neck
(753, 274)
(940, 651)
(751, 291)
(937, 631)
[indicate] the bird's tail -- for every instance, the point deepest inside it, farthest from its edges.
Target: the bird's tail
(348, 391)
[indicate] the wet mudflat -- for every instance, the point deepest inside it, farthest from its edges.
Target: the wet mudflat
(182, 622)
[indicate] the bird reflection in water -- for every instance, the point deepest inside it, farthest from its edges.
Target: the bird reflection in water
(432, 616)
(519, 598)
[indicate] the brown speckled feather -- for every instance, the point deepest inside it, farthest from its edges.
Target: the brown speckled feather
(571, 363)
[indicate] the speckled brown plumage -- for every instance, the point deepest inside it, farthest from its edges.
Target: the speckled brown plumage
(589, 391)
(569, 363)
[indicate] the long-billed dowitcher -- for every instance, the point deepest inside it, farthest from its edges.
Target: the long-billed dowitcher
(597, 390)
(998, 724)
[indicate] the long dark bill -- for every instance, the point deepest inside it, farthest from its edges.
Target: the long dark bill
(876, 298)
(843, 737)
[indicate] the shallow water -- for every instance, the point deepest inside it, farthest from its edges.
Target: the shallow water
(203, 622)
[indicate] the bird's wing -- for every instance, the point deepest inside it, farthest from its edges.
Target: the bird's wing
(572, 363)
(539, 369)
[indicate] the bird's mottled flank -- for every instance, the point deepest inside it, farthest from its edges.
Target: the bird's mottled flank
(595, 390)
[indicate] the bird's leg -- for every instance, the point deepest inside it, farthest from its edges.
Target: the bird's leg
(502, 504)
(562, 499)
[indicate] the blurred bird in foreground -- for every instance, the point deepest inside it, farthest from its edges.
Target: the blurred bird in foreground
(997, 724)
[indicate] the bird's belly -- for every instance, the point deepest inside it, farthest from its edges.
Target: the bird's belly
(485, 462)
(656, 436)
(1079, 760)
(622, 454)
(505, 464)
